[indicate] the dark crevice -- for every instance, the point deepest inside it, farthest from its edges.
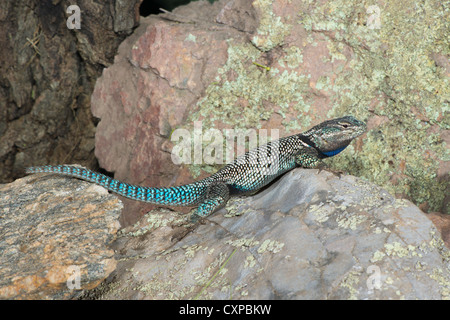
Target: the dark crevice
(149, 7)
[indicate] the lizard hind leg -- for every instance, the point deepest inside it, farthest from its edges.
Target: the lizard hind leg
(216, 197)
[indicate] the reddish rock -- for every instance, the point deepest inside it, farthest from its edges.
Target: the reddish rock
(442, 223)
(141, 103)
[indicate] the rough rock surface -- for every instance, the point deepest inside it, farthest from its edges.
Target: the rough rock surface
(159, 73)
(442, 223)
(284, 65)
(54, 236)
(308, 236)
(47, 75)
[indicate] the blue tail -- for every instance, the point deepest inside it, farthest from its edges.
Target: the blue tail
(186, 195)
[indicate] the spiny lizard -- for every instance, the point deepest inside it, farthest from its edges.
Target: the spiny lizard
(244, 176)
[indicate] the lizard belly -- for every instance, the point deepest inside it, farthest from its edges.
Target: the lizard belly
(255, 179)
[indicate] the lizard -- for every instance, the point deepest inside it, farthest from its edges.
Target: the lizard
(246, 175)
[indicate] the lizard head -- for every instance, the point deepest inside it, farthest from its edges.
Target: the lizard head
(332, 136)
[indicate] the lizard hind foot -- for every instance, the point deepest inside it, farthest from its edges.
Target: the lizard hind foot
(215, 198)
(194, 217)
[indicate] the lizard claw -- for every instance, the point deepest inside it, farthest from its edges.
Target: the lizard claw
(321, 166)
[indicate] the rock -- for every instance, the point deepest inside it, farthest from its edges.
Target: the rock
(283, 65)
(307, 236)
(174, 64)
(442, 223)
(54, 236)
(48, 72)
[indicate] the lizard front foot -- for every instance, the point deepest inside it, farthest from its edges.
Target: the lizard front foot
(323, 166)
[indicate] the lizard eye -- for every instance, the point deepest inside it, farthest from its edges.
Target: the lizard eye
(345, 125)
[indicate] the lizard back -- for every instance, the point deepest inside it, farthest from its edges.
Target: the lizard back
(258, 167)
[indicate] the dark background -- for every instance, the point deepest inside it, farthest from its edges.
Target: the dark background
(152, 6)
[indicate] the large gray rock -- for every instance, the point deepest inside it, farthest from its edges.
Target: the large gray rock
(54, 236)
(308, 236)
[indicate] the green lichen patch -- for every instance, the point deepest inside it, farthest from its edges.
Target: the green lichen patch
(269, 245)
(350, 221)
(391, 70)
(271, 31)
(243, 243)
(155, 219)
(439, 276)
(242, 89)
(350, 283)
(321, 212)
(379, 65)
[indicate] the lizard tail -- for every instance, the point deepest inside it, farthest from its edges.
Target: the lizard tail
(186, 195)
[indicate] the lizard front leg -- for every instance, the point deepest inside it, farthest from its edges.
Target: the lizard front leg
(309, 158)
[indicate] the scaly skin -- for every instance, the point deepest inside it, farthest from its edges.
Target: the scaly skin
(246, 175)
